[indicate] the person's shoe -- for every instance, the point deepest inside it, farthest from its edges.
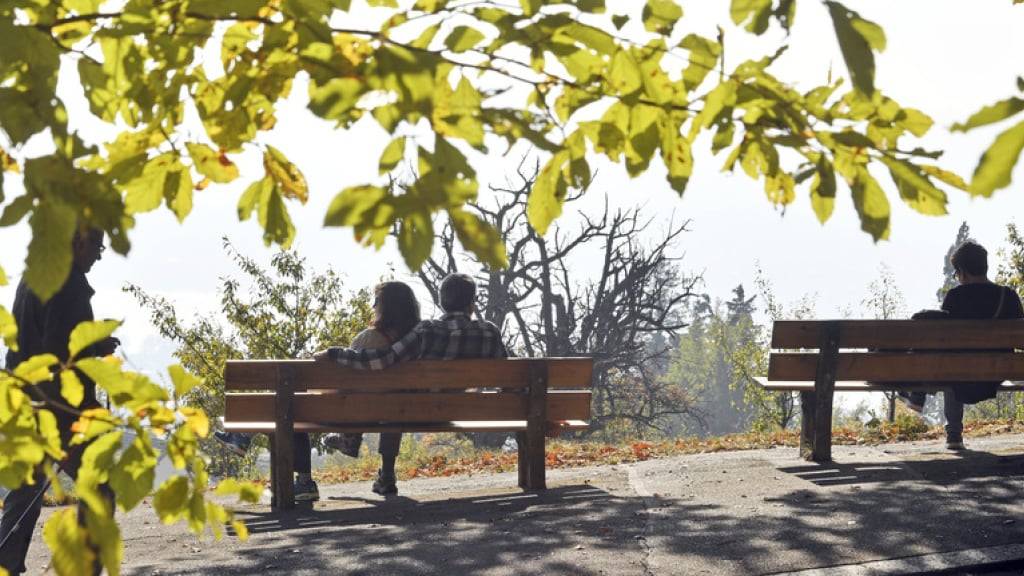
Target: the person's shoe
(384, 486)
(956, 444)
(306, 491)
(237, 444)
(910, 401)
(347, 444)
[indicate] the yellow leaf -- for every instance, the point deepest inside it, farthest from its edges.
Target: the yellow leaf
(71, 387)
(8, 327)
(289, 179)
(71, 554)
(88, 333)
(183, 381)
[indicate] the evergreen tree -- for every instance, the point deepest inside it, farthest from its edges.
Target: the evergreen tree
(948, 273)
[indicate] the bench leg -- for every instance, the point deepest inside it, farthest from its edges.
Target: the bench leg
(824, 387)
(535, 454)
(524, 460)
(807, 425)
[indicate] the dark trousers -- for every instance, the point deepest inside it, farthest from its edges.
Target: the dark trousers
(23, 505)
(390, 442)
(953, 410)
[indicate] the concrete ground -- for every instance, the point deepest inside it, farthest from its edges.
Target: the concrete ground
(893, 509)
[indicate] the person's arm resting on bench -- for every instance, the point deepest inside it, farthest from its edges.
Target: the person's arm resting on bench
(408, 348)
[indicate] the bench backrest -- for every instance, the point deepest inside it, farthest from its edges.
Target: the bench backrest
(422, 391)
(900, 350)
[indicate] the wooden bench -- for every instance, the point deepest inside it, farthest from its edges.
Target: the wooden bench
(531, 397)
(817, 358)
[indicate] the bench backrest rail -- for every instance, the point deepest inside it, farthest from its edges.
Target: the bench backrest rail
(902, 334)
(512, 373)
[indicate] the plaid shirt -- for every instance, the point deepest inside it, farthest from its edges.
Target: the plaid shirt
(455, 335)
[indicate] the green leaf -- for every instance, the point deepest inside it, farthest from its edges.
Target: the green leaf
(857, 37)
(547, 195)
(463, 38)
(995, 168)
(704, 55)
(660, 16)
(274, 218)
(823, 190)
(755, 13)
(247, 491)
(88, 333)
(915, 188)
(356, 205)
(946, 177)
(290, 181)
(721, 98)
(98, 459)
(530, 7)
(619, 21)
(337, 98)
(480, 238)
(49, 252)
(68, 543)
(991, 114)
(163, 177)
(171, 499)
(871, 203)
(212, 164)
(133, 475)
(247, 202)
(183, 381)
(415, 239)
(8, 329)
(392, 155)
(678, 157)
(624, 75)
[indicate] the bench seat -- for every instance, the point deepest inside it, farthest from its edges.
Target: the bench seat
(532, 397)
(819, 357)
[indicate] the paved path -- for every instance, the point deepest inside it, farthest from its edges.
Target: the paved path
(900, 508)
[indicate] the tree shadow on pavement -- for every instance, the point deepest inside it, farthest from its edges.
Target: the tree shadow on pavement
(946, 469)
(521, 532)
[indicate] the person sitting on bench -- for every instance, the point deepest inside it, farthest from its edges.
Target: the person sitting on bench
(975, 298)
(454, 335)
(396, 312)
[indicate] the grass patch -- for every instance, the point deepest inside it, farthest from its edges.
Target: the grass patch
(440, 455)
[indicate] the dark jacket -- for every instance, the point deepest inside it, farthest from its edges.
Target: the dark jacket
(46, 328)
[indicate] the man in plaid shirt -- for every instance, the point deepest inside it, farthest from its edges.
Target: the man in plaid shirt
(454, 335)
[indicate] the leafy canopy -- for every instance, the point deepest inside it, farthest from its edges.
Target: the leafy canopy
(480, 75)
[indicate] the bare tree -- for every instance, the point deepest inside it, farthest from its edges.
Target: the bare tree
(593, 290)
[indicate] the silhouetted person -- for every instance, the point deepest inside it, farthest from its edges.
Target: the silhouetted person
(46, 329)
(975, 298)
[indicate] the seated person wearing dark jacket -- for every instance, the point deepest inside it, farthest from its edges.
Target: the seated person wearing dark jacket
(975, 298)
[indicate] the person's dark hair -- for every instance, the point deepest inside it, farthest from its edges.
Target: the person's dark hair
(971, 258)
(398, 309)
(458, 292)
(87, 234)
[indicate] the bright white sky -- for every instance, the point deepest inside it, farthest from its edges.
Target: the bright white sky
(941, 58)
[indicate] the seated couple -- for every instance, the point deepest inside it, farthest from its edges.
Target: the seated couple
(974, 298)
(397, 335)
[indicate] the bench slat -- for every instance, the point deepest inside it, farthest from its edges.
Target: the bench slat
(563, 373)
(899, 334)
(784, 386)
(892, 367)
(456, 426)
(406, 407)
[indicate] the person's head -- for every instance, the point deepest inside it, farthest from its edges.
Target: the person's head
(970, 261)
(458, 293)
(87, 247)
(396, 309)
